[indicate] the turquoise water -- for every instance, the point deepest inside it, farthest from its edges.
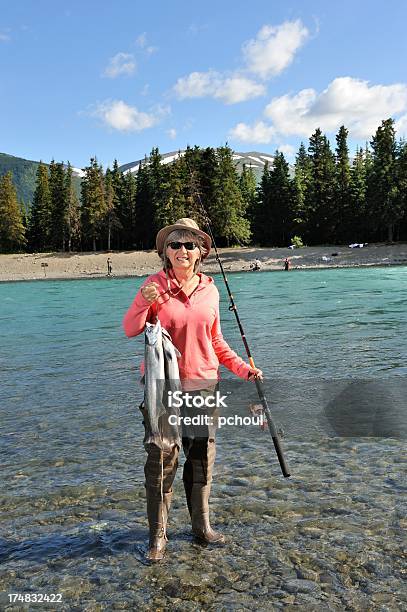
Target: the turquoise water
(64, 356)
(70, 434)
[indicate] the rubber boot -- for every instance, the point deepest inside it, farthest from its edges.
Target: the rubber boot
(197, 483)
(160, 470)
(157, 512)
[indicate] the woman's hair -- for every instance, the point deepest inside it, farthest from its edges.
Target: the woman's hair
(185, 236)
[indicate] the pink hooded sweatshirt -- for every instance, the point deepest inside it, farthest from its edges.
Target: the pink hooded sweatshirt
(193, 324)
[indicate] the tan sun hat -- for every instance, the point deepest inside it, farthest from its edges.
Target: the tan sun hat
(185, 224)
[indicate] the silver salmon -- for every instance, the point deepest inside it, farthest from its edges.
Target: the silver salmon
(154, 375)
(161, 376)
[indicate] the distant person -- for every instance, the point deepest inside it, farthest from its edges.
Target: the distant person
(109, 266)
(286, 264)
(256, 265)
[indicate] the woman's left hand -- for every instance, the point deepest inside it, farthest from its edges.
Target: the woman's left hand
(255, 373)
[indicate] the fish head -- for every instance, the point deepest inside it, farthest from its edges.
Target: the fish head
(152, 333)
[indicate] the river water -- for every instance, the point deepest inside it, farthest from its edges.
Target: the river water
(332, 345)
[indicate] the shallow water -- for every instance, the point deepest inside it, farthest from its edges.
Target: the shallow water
(72, 497)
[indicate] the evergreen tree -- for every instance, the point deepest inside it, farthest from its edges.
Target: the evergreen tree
(248, 189)
(320, 195)
(401, 173)
(228, 207)
(384, 204)
(121, 212)
(262, 219)
(72, 213)
(281, 200)
(127, 211)
(57, 186)
(342, 203)
(355, 229)
(40, 220)
(93, 209)
(112, 222)
(12, 231)
(175, 190)
(302, 181)
(144, 210)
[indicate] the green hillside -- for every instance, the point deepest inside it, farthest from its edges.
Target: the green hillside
(24, 172)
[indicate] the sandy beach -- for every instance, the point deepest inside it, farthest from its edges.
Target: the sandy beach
(38, 266)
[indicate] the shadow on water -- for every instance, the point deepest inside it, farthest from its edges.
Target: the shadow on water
(96, 541)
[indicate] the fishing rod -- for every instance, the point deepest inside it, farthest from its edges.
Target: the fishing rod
(233, 307)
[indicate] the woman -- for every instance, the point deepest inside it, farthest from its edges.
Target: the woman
(187, 304)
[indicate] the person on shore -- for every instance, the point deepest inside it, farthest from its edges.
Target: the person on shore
(286, 264)
(256, 265)
(186, 301)
(109, 266)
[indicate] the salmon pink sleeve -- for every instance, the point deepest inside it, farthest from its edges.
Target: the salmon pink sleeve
(224, 353)
(139, 312)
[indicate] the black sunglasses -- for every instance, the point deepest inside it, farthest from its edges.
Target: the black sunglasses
(190, 246)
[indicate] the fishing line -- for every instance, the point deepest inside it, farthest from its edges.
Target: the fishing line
(232, 307)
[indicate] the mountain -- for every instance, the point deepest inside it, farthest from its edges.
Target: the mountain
(24, 172)
(252, 158)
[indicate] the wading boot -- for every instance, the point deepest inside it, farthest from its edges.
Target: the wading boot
(157, 512)
(197, 482)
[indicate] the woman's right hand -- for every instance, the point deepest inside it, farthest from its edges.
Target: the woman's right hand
(150, 292)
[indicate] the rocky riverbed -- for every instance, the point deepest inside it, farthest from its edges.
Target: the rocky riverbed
(328, 538)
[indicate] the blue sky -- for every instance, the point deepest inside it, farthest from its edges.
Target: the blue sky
(88, 78)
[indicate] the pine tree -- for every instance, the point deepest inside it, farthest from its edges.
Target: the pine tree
(57, 185)
(320, 195)
(302, 182)
(72, 213)
(281, 201)
(144, 210)
(383, 199)
(248, 189)
(12, 231)
(112, 223)
(175, 192)
(355, 229)
(228, 208)
(40, 219)
(122, 218)
(127, 210)
(401, 173)
(342, 203)
(261, 219)
(93, 209)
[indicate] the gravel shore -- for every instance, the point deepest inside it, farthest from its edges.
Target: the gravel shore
(38, 266)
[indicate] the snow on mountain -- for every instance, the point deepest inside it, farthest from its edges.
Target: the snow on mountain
(254, 159)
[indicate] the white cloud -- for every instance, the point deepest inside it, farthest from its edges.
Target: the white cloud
(274, 48)
(352, 102)
(355, 103)
(401, 126)
(141, 41)
(172, 133)
(121, 63)
(4, 37)
(238, 89)
(287, 149)
(124, 118)
(268, 54)
(258, 133)
(230, 89)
